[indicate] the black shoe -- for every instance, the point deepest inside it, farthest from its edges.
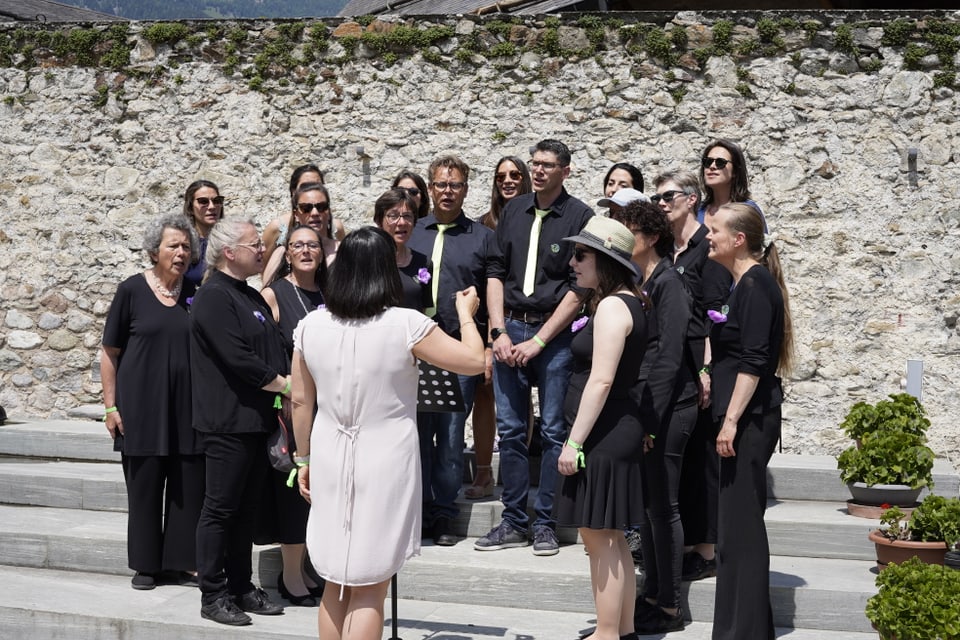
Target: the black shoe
(643, 611)
(662, 622)
(256, 601)
(695, 567)
(143, 581)
(317, 591)
(224, 611)
(179, 578)
(442, 536)
(306, 600)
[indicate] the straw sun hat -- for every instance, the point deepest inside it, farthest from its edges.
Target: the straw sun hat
(608, 236)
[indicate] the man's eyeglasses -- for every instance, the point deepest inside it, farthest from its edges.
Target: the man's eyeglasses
(453, 186)
(721, 163)
(392, 216)
(546, 166)
(307, 207)
(579, 254)
(297, 247)
(667, 196)
(203, 202)
(513, 175)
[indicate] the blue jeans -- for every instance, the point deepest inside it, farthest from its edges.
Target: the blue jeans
(441, 455)
(551, 370)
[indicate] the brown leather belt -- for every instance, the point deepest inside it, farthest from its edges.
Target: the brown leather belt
(527, 317)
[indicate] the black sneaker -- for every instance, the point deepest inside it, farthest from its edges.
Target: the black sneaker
(502, 536)
(695, 567)
(225, 611)
(643, 611)
(143, 581)
(256, 601)
(545, 542)
(442, 535)
(661, 622)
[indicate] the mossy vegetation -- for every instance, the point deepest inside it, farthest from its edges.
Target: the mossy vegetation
(284, 52)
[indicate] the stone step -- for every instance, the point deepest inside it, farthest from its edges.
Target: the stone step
(791, 477)
(100, 486)
(813, 593)
(48, 605)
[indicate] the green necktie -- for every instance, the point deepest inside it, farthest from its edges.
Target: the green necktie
(436, 258)
(530, 274)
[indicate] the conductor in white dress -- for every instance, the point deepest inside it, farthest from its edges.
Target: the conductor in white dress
(355, 363)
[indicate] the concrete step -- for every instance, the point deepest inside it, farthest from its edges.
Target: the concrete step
(51, 605)
(812, 593)
(791, 477)
(100, 486)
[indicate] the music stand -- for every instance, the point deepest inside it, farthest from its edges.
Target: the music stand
(439, 390)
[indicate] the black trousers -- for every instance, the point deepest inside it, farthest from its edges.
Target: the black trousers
(661, 532)
(699, 483)
(236, 471)
(742, 606)
(164, 496)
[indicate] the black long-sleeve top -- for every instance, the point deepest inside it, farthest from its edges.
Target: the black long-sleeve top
(235, 349)
(749, 342)
(508, 260)
(666, 377)
(709, 286)
(463, 264)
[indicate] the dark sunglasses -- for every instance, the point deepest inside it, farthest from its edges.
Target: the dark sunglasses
(307, 207)
(721, 163)
(205, 201)
(667, 196)
(514, 175)
(579, 254)
(412, 191)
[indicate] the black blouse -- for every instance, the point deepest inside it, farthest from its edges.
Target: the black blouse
(749, 342)
(417, 294)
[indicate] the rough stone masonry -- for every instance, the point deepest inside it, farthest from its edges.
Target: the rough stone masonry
(825, 110)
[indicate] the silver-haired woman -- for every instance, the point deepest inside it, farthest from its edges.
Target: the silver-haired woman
(145, 371)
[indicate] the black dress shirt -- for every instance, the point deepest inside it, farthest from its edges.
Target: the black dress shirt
(463, 264)
(235, 349)
(508, 260)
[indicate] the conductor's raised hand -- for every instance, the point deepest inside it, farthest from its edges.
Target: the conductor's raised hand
(467, 302)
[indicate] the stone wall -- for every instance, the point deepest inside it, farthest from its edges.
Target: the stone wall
(101, 132)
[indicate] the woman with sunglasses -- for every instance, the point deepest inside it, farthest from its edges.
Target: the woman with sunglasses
(667, 395)
(510, 179)
(203, 207)
(311, 207)
(394, 213)
(723, 175)
(275, 233)
(295, 290)
(600, 461)
(416, 187)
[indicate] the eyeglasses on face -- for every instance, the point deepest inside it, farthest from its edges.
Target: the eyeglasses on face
(255, 246)
(721, 163)
(393, 216)
(307, 207)
(453, 186)
(412, 191)
(203, 202)
(580, 253)
(546, 166)
(513, 175)
(299, 246)
(667, 196)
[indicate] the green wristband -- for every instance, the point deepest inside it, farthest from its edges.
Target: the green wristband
(539, 341)
(108, 411)
(286, 389)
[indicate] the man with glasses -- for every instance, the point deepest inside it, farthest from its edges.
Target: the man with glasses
(531, 300)
(457, 247)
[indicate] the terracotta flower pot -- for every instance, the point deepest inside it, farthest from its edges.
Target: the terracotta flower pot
(899, 550)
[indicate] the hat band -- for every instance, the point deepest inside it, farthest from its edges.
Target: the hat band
(607, 244)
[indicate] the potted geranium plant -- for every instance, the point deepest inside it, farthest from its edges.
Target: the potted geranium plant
(933, 529)
(916, 601)
(889, 462)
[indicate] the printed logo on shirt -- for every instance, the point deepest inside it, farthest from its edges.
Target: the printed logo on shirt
(555, 248)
